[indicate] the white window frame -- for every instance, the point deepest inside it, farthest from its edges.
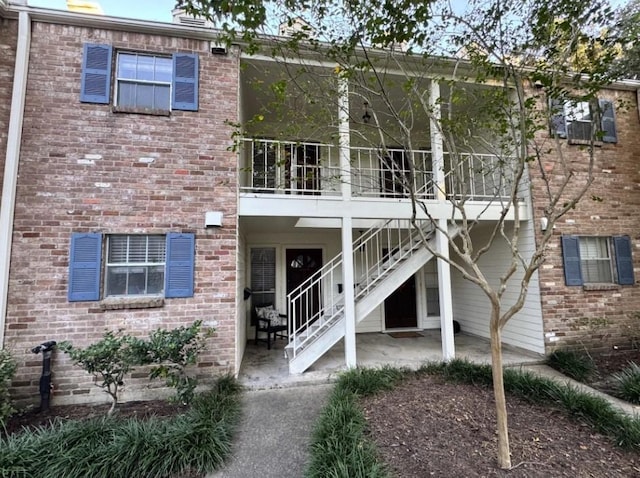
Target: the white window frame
(574, 112)
(126, 264)
(605, 244)
(120, 79)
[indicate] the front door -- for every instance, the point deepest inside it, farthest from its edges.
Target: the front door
(400, 307)
(301, 264)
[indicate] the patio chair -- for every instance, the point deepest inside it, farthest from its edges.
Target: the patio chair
(269, 321)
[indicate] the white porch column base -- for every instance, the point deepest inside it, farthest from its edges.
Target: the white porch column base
(444, 287)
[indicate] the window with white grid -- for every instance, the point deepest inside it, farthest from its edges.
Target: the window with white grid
(595, 259)
(135, 265)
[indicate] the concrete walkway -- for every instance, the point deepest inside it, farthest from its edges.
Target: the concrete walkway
(275, 432)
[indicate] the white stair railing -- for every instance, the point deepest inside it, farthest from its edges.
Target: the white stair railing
(376, 252)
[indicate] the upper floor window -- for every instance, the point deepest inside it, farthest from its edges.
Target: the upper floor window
(597, 260)
(144, 82)
(580, 121)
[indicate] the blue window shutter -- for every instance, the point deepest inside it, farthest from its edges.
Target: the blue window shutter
(180, 265)
(185, 82)
(96, 74)
(571, 259)
(608, 122)
(624, 262)
(557, 119)
(84, 267)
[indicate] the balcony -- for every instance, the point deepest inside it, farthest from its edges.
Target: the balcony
(313, 169)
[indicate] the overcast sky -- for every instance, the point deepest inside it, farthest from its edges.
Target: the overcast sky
(158, 10)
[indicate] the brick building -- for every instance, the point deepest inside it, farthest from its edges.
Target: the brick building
(127, 204)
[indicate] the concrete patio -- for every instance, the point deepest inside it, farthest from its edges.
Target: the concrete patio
(262, 368)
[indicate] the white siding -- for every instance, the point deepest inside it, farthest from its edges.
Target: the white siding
(471, 307)
(241, 304)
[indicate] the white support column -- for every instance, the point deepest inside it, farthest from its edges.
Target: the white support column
(437, 150)
(14, 137)
(347, 226)
(444, 290)
(349, 295)
(442, 243)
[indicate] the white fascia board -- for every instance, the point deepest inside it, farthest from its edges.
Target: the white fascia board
(360, 208)
(47, 15)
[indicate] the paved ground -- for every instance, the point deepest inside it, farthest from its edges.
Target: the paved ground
(275, 432)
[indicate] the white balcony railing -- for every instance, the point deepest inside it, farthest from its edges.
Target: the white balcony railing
(295, 168)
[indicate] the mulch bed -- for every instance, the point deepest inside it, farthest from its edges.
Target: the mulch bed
(430, 428)
(32, 417)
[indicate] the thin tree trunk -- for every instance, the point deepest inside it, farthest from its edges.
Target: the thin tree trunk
(504, 455)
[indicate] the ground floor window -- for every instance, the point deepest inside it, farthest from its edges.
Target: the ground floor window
(135, 265)
(263, 276)
(433, 294)
(123, 265)
(597, 260)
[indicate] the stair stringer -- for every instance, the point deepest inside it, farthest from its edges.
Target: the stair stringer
(335, 330)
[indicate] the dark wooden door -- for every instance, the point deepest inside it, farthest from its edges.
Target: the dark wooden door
(301, 264)
(400, 307)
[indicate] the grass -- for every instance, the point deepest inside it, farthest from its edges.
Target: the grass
(577, 365)
(198, 440)
(340, 447)
(628, 383)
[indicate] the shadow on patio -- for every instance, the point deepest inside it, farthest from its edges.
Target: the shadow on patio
(262, 368)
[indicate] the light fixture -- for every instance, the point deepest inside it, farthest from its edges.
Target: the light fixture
(366, 117)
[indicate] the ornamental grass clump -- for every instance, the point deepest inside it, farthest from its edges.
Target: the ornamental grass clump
(627, 383)
(576, 365)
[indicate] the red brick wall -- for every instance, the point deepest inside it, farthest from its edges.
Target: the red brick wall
(596, 319)
(84, 168)
(8, 39)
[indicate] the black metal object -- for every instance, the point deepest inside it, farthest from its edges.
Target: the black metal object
(45, 379)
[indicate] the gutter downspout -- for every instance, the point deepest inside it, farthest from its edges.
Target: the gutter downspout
(14, 138)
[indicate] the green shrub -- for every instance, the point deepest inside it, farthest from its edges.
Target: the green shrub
(170, 352)
(577, 365)
(107, 360)
(627, 383)
(7, 370)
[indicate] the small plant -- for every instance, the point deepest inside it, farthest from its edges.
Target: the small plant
(171, 352)
(107, 360)
(579, 366)
(628, 383)
(7, 370)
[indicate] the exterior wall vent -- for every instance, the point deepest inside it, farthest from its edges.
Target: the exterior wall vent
(181, 18)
